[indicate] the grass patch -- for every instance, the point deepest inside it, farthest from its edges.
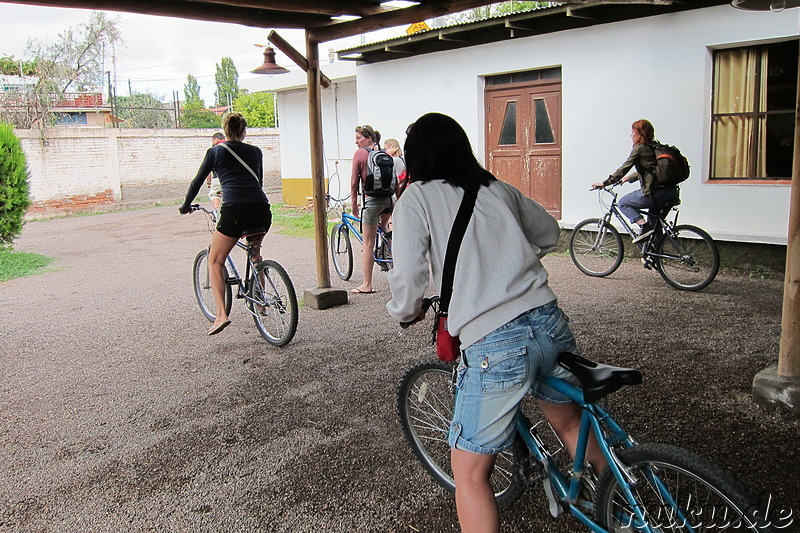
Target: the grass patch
(21, 264)
(292, 221)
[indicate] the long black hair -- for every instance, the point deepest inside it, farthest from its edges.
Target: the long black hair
(437, 147)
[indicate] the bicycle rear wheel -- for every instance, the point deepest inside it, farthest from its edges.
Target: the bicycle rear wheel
(342, 251)
(596, 247)
(687, 258)
(425, 405)
(383, 251)
(274, 303)
(677, 491)
(202, 287)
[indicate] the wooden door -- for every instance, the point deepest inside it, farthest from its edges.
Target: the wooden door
(523, 139)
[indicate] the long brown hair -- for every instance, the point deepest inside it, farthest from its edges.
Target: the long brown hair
(643, 132)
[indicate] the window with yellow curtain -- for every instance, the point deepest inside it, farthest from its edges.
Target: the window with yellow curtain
(753, 112)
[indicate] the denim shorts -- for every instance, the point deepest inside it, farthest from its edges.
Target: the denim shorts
(496, 372)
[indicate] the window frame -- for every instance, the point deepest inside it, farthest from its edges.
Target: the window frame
(756, 114)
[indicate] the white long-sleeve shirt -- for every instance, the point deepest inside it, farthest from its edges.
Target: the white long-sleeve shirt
(499, 274)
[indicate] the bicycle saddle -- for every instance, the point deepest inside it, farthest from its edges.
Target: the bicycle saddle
(252, 232)
(598, 380)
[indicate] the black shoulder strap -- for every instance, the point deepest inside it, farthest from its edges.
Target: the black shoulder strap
(454, 244)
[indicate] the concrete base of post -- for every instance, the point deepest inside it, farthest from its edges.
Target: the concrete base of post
(324, 298)
(772, 390)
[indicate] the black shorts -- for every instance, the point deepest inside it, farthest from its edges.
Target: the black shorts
(236, 219)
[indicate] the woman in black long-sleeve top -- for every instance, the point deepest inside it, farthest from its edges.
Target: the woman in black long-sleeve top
(245, 205)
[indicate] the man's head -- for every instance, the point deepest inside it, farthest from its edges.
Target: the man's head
(217, 138)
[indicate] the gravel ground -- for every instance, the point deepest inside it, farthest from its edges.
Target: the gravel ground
(118, 413)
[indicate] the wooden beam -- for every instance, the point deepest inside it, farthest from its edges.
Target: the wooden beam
(206, 11)
(282, 45)
(332, 8)
(390, 19)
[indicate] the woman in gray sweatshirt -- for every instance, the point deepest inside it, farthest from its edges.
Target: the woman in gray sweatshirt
(502, 308)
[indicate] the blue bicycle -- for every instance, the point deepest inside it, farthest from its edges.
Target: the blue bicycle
(342, 248)
(651, 488)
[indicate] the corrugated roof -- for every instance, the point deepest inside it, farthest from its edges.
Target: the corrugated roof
(557, 17)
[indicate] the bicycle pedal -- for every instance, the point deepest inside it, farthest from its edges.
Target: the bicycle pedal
(232, 281)
(556, 509)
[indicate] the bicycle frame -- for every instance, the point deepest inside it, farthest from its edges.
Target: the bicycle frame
(349, 221)
(234, 278)
(562, 491)
(614, 209)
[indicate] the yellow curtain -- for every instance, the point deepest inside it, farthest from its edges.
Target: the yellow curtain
(735, 92)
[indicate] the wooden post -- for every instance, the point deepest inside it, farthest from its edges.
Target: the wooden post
(323, 296)
(780, 386)
(317, 161)
(789, 355)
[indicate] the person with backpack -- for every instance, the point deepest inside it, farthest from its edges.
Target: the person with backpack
(651, 193)
(502, 308)
(373, 176)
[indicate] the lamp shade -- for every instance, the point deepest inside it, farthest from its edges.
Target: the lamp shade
(765, 5)
(269, 66)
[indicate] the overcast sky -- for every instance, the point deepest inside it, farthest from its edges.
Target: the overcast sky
(157, 53)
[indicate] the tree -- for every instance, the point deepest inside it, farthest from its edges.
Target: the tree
(13, 67)
(191, 92)
(143, 110)
(492, 10)
(13, 185)
(199, 118)
(258, 108)
(227, 79)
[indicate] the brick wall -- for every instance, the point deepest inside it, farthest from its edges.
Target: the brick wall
(72, 166)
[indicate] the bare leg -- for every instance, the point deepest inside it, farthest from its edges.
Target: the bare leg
(367, 256)
(221, 246)
(566, 422)
(475, 503)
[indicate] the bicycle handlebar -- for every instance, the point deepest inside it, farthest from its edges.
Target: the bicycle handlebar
(198, 207)
(426, 304)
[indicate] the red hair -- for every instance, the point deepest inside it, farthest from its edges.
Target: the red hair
(643, 131)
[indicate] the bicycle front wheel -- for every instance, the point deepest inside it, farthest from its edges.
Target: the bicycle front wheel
(202, 287)
(425, 405)
(273, 303)
(342, 251)
(687, 258)
(677, 491)
(596, 247)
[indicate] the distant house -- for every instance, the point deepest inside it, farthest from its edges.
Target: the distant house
(71, 109)
(82, 109)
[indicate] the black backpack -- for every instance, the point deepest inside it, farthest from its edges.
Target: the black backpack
(381, 180)
(672, 167)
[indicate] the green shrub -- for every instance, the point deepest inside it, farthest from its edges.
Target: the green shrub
(13, 185)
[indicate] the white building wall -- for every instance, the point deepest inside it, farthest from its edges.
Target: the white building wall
(339, 119)
(659, 68)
